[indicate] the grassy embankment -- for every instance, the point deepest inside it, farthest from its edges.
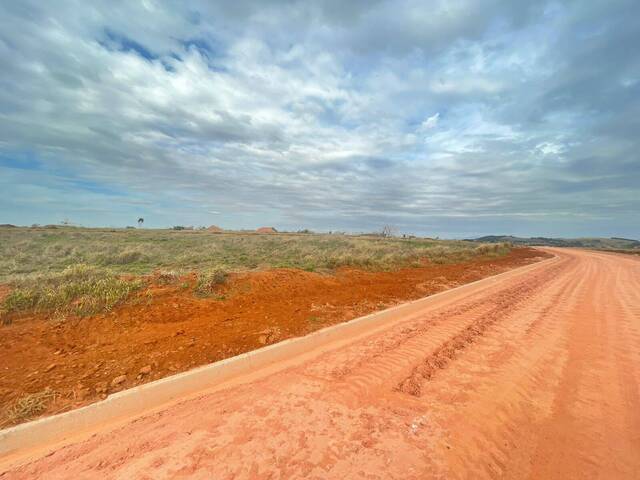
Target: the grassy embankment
(84, 271)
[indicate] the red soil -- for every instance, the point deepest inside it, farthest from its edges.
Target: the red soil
(166, 329)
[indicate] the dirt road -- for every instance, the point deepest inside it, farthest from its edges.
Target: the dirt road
(533, 376)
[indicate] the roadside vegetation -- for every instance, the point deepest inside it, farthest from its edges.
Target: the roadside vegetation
(79, 289)
(27, 407)
(84, 271)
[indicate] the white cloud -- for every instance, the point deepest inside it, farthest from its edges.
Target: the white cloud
(307, 113)
(430, 122)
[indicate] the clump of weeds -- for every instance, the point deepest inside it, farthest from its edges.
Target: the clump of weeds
(209, 280)
(29, 406)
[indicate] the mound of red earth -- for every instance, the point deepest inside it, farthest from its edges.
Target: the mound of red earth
(215, 229)
(165, 328)
(266, 230)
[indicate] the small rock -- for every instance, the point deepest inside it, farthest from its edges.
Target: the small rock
(146, 370)
(101, 387)
(270, 335)
(50, 367)
(179, 332)
(81, 394)
(118, 380)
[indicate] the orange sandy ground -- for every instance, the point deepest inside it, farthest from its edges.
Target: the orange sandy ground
(166, 329)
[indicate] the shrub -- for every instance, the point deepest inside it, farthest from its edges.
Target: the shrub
(493, 248)
(166, 277)
(207, 281)
(124, 258)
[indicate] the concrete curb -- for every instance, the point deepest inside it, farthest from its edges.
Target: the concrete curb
(144, 398)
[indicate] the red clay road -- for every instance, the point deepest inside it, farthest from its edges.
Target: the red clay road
(534, 375)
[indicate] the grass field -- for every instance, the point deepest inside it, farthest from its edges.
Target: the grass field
(89, 270)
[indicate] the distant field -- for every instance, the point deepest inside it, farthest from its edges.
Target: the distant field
(85, 271)
(599, 243)
(25, 251)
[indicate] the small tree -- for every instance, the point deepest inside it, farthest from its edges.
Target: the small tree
(140, 222)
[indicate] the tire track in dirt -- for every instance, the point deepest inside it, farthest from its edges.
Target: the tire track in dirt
(586, 412)
(505, 302)
(368, 367)
(509, 378)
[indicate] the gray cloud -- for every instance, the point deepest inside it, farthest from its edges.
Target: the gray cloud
(452, 118)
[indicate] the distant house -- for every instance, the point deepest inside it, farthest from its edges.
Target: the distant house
(214, 229)
(266, 230)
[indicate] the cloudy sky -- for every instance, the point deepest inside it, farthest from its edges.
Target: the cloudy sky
(452, 118)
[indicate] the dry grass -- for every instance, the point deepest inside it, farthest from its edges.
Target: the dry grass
(29, 406)
(78, 289)
(80, 271)
(29, 251)
(207, 281)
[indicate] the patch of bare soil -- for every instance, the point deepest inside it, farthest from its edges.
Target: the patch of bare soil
(166, 329)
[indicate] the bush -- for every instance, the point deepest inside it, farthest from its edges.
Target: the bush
(166, 277)
(493, 248)
(207, 281)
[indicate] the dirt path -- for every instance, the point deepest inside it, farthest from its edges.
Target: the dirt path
(166, 329)
(533, 376)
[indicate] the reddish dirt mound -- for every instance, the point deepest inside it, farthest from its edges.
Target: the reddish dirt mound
(166, 329)
(215, 229)
(266, 230)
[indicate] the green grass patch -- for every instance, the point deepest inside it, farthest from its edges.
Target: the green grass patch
(78, 289)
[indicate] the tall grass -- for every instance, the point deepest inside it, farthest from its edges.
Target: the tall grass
(28, 406)
(79, 289)
(26, 251)
(79, 271)
(208, 280)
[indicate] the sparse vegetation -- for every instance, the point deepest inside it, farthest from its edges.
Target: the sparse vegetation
(80, 271)
(25, 251)
(29, 406)
(78, 289)
(166, 277)
(207, 281)
(501, 248)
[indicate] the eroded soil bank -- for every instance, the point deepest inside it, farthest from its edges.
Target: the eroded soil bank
(166, 329)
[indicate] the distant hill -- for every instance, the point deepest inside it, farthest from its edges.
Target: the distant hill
(613, 243)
